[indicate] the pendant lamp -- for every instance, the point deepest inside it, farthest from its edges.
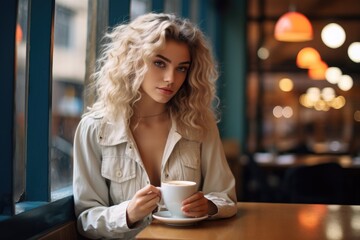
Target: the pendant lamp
(307, 57)
(293, 27)
(318, 72)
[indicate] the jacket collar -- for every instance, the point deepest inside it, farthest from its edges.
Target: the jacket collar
(116, 132)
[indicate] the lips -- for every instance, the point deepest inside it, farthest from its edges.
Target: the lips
(166, 91)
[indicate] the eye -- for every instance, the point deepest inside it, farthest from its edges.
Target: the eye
(183, 69)
(159, 63)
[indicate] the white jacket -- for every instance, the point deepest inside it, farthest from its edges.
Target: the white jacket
(108, 171)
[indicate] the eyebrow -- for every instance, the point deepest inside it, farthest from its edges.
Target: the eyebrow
(169, 61)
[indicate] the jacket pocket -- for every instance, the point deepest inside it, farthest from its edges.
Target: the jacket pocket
(189, 156)
(121, 172)
(118, 169)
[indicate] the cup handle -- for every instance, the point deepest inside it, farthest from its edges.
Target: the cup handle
(160, 204)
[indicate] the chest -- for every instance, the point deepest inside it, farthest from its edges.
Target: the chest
(150, 141)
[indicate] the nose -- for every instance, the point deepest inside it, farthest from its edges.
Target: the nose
(169, 76)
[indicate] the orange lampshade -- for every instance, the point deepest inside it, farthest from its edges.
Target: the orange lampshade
(318, 71)
(293, 27)
(307, 57)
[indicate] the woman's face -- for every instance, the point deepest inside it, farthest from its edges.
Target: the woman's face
(167, 72)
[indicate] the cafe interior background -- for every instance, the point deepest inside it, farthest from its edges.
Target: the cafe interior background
(283, 109)
(303, 101)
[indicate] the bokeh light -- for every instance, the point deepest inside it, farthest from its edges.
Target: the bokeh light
(333, 74)
(345, 83)
(333, 35)
(286, 84)
(354, 52)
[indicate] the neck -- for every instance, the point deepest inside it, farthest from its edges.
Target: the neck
(150, 115)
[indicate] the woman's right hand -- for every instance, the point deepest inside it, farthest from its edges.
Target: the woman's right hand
(142, 204)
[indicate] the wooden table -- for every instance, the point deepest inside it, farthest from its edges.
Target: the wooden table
(269, 221)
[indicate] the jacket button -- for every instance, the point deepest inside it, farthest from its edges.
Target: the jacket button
(118, 173)
(166, 175)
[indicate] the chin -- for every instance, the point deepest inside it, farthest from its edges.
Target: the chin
(162, 100)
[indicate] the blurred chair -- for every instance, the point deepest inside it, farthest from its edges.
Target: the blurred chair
(321, 183)
(255, 182)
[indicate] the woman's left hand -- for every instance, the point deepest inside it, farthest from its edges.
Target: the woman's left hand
(197, 205)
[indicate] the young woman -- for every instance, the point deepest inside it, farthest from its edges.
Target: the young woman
(153, 121)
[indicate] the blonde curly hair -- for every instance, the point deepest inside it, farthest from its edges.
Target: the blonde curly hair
(124, 62)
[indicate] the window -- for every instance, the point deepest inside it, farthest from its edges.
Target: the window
(20, 93)
(173, 6)
(67, 91)
(63, 20)
(47, 96)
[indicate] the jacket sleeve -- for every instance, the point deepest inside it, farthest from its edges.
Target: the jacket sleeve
(96, 217)
(218, 180)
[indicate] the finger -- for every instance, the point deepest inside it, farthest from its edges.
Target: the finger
(145, 197)
(148, 190)
(200, 208)
(198, 205)
(146, 205)
(149, 197)
(145, 190)
(151, 203)
(195, 207)
(193, 198)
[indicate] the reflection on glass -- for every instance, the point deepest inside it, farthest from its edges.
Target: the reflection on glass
(355, 223)
(333, 229)
(70, 28)
(20, 93)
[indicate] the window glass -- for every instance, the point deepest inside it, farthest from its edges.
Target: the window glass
(139, 7)
(70, 28)
(63, 18)
(20, 106)
(173, 6)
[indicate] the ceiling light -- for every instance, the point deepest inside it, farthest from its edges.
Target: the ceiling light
(313, 93)
(277, 111)
(286, 84)
(263, 53)
(293, 27)
(333, 35)
(307, 57)
(345, 83)
(333, 74)
(328, 94)
(317, 72)
(354, 52)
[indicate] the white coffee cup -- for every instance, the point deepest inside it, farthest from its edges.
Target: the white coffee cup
(174, 192)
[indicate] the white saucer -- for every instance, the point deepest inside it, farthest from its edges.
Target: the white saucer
(165, 216)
